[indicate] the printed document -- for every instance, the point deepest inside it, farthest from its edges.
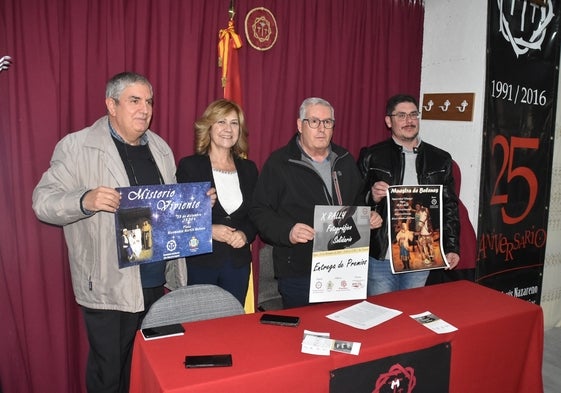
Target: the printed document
(364, 315)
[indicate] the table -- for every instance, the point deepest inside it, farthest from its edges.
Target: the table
(497, 348)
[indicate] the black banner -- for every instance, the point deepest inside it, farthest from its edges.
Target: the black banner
(426, 370)
(520, 104)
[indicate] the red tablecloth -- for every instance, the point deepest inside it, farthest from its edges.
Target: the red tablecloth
(497, 348)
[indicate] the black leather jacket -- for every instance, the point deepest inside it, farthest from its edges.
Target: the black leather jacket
(385, 161)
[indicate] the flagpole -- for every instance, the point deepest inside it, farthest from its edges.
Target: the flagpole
(229, 43)
(231, 11)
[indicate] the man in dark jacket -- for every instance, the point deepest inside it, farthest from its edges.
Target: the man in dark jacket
(404, 159)
(308, 171)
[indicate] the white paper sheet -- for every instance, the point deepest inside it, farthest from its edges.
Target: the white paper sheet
(364, 315)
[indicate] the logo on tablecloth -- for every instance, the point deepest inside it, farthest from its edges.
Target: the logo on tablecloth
(426, 370)
(397, 379)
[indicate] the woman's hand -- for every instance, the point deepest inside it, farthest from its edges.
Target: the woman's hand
(228, 235)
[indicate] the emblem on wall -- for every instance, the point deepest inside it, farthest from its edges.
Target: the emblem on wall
(261, 28)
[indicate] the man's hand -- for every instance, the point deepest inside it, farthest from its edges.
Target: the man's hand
(212, 194)
(453, 260)
(379, 190)
(102, 199)
(376, 220)
(301, 233)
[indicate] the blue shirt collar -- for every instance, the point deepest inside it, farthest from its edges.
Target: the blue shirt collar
(143, 138)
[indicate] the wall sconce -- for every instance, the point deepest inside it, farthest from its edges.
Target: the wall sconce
(448, 106)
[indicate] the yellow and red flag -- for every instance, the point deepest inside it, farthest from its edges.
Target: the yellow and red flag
(228, 45)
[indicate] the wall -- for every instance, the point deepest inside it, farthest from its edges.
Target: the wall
(454, 55)
(551, 289)
(454, 62)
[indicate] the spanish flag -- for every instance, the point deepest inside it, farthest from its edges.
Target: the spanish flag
(228, 44)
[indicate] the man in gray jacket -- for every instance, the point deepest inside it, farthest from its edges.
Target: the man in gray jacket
(78, 193)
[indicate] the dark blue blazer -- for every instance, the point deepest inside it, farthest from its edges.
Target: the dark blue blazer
(197, 168)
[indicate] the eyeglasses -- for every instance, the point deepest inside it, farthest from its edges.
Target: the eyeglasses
(402, 115)
(314, 123)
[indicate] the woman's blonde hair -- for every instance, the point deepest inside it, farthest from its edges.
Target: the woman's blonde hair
(217, 110)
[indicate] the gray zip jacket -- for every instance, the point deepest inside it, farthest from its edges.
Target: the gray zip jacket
(83, 161)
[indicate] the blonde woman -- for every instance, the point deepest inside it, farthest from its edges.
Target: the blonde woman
(221, 147)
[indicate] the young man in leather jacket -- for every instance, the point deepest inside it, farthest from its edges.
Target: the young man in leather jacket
(404, 159)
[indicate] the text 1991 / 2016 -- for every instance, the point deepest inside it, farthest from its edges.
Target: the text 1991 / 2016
(518, 94)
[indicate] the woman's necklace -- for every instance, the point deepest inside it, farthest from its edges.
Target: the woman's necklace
(223, 171)
(226, 166)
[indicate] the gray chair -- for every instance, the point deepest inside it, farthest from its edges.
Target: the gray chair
(268, 297)
(192, 303)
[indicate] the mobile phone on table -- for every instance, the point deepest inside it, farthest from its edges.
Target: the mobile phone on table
(152, 333)
(281, 320)
(196, 361)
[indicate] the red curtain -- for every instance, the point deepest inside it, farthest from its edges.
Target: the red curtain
(354, 53)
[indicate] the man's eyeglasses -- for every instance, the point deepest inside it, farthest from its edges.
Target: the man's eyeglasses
(402, 115)
(314, 123)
